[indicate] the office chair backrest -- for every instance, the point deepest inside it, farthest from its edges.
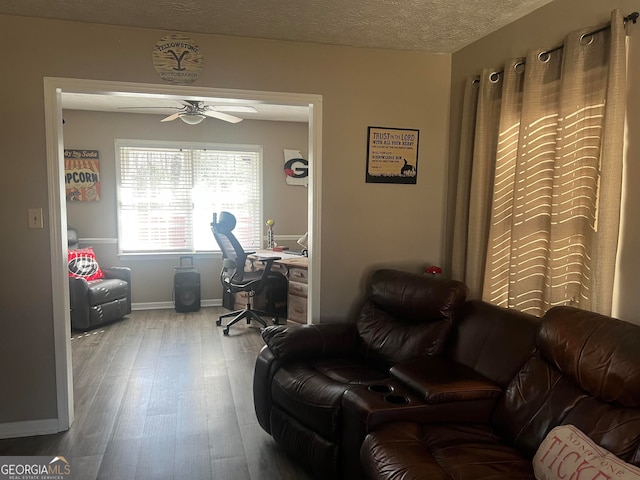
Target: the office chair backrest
(234, 256)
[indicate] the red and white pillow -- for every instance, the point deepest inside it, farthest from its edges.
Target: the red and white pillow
(567, 453)
(82, 263)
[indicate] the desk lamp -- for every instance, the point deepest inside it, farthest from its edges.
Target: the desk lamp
(303, 241)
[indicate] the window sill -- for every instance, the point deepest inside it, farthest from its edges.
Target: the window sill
(169, 255)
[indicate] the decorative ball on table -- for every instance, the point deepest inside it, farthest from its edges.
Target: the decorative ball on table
(433, 270)
(270, 242)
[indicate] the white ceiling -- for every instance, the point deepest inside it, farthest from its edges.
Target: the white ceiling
(439, 26)
(153, 106)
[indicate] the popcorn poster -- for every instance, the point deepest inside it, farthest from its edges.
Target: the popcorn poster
(82, 175)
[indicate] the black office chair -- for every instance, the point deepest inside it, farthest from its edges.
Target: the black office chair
(233, 276)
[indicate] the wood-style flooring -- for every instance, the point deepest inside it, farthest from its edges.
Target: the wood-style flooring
(165, 395)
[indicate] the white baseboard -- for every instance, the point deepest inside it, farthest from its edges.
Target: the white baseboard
(170, 305)
(29, 428)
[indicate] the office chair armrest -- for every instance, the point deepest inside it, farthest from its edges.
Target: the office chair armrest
(267, 262)
(312, 341)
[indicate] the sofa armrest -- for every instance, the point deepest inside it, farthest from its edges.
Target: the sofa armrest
(312, 341)
(267, 364)
(79, 300)
(78, 290)
(439, 380)
(121, 273)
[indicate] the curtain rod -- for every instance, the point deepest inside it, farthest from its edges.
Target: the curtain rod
(632, 17)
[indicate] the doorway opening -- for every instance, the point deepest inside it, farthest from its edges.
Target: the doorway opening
(53, 89)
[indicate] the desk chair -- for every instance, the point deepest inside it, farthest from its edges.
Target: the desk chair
(233, 276)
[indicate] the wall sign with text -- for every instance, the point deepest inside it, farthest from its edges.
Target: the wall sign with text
(392, 155)
(177, 59)
(82, 175)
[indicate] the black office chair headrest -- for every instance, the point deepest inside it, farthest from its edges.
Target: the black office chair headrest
(225, 222)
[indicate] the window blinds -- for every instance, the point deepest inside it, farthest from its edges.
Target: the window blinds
(168, 193)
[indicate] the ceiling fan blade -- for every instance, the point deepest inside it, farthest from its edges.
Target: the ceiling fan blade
(222, 116)
(144, 107)
(234, 108)
(171, 117)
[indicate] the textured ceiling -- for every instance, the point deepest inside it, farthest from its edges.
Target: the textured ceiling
(440, 26)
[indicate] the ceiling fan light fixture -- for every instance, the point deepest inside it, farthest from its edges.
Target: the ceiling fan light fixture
(192, 118)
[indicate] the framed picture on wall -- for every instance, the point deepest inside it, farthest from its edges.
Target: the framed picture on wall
(82, 175)
(392, 155)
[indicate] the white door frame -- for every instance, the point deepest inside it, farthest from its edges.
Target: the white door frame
(53, 87)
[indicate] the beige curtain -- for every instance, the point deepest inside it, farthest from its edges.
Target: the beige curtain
(475, 177)
(542, 213)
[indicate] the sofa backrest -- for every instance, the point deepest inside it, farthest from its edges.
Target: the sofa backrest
(407, 315)
(586, 372)
(492, 340)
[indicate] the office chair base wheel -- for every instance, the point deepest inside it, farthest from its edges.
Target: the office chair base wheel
(219, 322)
(226, 331)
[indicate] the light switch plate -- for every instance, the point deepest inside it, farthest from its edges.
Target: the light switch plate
(35, 218)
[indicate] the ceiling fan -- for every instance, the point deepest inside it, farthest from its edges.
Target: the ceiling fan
(194, 112)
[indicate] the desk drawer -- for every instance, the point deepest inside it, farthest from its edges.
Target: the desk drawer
(300, 275)
(298, 289)
(240, 300)
(297, 309)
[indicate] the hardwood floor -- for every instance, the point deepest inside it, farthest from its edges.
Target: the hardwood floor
(164, 395)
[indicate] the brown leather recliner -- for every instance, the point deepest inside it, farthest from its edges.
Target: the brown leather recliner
(94, 303)
(303, 372)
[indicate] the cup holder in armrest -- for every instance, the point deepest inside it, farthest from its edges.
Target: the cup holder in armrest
(396, 399)
(379, 388)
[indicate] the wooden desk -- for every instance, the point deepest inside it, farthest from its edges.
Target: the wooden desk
(296, 269)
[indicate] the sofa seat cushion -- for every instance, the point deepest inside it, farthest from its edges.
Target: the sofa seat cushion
(312, 392)
(106, 290)
(463, 451)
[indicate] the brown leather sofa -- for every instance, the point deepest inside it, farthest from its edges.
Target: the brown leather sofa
(303, 372)
(476, 406)
(585, 372)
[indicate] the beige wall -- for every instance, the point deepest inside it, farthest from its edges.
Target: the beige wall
(364, 226)
(153, 277)
(546, 28)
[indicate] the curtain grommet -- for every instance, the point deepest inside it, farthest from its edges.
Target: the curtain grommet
(544, 57)
(586, 39)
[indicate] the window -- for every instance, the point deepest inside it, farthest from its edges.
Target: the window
(168, 192)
